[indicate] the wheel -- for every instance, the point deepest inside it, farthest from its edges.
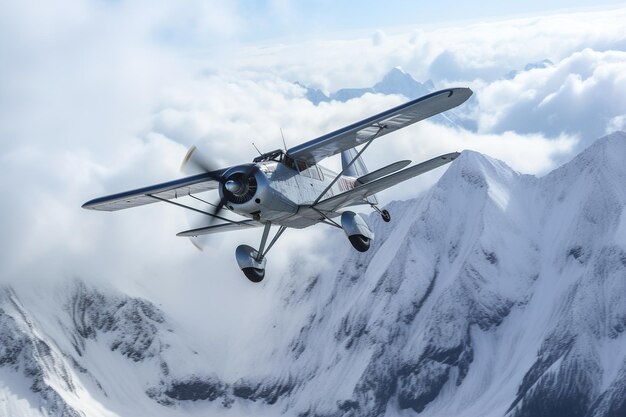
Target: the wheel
(252, 268)
(386, 216)
(360, 242)
(254, 274)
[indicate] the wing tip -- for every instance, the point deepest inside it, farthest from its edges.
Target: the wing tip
(186, 233)
(465, 91)
(451, 156)
(89, 205)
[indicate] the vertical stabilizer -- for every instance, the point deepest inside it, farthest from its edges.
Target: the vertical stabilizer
(357, 169)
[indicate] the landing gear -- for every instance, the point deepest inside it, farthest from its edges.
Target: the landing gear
(251, 261)
(383, 213)
(251, 266)
(360, 242)
(357, 230)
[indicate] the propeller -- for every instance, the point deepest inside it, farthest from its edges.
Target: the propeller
(237, 187)
(196, 162)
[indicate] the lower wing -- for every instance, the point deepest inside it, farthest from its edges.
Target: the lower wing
(218, 228)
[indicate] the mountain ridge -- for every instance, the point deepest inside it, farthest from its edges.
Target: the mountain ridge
(493, 294)
(396, 81)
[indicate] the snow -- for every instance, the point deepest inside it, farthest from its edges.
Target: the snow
(480, 298)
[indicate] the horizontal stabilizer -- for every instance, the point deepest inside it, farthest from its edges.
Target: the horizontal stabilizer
(379, 173)
(218, 228)
(359, 193)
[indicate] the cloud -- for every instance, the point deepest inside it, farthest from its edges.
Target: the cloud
(616, 123)
(581, 95)
(257, 111)
(486, 50)
(378, 38)
(99, 97)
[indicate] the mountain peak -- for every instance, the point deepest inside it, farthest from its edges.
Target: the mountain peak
(611, 144)
(477, 178)
(397, 73)
(604, 156)
(472, 166)
(396, 81)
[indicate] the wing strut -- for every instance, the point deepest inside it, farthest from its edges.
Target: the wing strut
(369, 141)
(191, 208)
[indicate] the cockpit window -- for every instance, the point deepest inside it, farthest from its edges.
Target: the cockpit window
(276, 155)
(289, 162)
(303, 167)
(311, 171)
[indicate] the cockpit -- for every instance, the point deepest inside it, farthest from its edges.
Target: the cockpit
(276, 155)
(281, 157)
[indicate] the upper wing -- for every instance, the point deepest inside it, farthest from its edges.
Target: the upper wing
(360, 192)
(388, 121)
(222, 227)
(166, 190)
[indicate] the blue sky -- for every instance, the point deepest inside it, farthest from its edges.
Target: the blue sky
(284, 18)
(202, 24)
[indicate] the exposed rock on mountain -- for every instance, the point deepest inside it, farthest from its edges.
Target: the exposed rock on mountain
(493, 294)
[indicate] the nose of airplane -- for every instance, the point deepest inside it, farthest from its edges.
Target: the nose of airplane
(233, 186)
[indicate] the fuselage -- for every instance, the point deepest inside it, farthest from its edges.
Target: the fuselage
(282, 191)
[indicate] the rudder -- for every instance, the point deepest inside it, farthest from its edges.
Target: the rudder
(356, 170)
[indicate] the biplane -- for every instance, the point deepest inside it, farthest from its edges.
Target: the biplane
(291, 189)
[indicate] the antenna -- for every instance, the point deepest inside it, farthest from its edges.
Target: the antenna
(283, 136)
(257, 149)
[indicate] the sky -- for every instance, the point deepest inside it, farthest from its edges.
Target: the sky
(284, 18)
(98, 96)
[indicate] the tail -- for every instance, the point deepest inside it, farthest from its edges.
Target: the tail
(356, 170)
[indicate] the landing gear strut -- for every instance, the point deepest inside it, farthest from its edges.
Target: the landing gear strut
(383, 213)
(251, 261)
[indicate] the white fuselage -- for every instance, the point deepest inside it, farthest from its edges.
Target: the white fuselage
(284, 194)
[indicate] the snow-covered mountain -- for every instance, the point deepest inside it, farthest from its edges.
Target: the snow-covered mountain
(396, 81)
(493, 294)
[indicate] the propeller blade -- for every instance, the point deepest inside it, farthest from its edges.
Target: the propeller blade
(196, 161)
(219, 208)
(195, 243)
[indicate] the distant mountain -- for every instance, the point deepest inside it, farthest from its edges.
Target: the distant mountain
(495, 294)
(395, 81)
(545, 63)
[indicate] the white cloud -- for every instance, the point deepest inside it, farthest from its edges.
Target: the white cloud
(616, 123)
(583, 94)
(378, 38)
(98, 97)
(459, 53)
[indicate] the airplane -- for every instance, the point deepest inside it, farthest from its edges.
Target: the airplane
(291, 189)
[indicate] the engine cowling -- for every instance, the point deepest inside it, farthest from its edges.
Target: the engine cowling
(240, 184)
(246, 190)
